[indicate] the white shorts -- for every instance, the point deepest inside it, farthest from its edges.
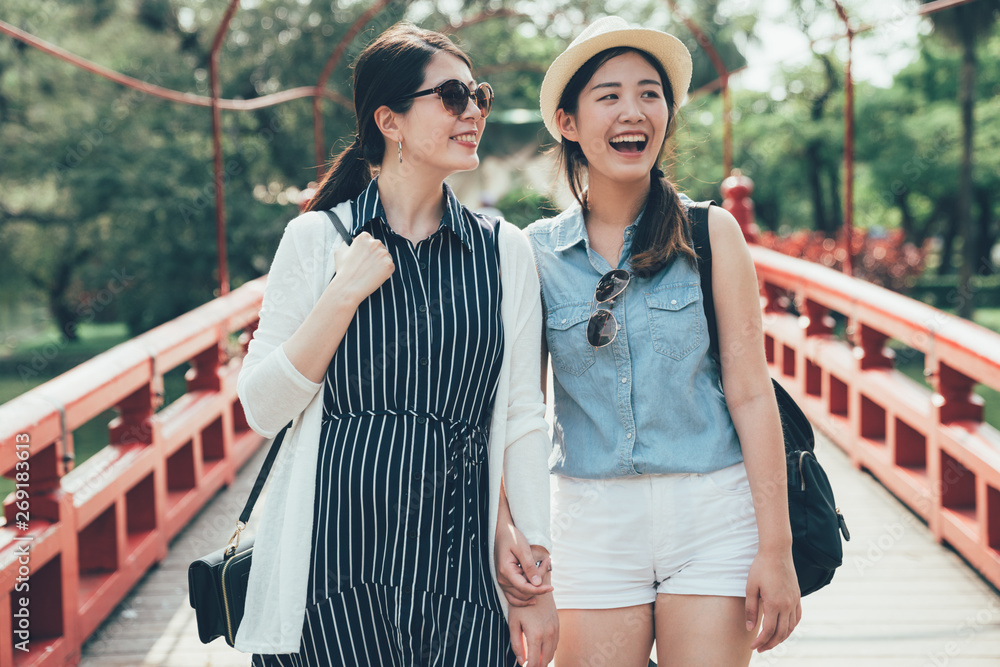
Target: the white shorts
(620, 542)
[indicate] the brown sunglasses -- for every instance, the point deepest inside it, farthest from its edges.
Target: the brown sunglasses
(455, 96)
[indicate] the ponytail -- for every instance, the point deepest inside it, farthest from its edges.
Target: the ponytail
(663, 230)
(347, 177)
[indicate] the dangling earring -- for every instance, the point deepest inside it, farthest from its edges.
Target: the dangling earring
(400, 151)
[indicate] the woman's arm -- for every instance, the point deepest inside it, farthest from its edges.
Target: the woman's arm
(534, 628)
(362, 267)
(282, 369)
(527, 447)
(750, 399)
(522, 570)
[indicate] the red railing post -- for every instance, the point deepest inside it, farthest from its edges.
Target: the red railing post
(736, 191)
(204, 372)
(134, 422)
(817, 320)
(955, 399)
(871, 350)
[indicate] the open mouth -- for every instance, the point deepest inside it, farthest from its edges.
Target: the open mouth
(469, 137)
(629, 143)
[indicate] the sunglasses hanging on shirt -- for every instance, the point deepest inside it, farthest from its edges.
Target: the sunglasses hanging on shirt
(455, 96)
(602, 328)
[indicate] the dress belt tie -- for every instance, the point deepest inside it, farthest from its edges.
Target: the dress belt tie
(467, 446)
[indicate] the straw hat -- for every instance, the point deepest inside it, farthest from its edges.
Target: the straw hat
(608, 33)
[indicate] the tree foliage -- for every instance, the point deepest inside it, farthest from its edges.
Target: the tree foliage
(107, 191)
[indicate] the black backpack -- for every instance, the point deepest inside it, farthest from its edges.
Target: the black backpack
(817, 523)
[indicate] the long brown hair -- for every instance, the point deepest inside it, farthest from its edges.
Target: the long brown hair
(663, 231)
(389, 68)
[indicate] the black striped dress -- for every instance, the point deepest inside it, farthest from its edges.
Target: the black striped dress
(400, 572)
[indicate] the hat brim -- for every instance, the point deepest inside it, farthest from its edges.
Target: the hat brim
(665, 48)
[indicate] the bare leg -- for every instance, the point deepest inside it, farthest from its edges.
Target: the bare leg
(702, 630)
(620, 637)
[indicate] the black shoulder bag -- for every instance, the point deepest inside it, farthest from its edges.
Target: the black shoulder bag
(217, 583)
(817, 523)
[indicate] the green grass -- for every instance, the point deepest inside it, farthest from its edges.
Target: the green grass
(988, 317)
(45, 356)
(92, 338)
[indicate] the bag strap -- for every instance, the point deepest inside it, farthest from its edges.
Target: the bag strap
(265, 469)
(698, 217)
(339, 224)
(272, 453)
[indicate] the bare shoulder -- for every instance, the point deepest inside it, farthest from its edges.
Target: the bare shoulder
(732, 262)
(723, 230)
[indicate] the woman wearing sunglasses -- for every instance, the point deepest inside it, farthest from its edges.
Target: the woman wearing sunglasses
(669, 515)
(403, 359)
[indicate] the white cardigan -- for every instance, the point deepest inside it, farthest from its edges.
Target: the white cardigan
(273, 393)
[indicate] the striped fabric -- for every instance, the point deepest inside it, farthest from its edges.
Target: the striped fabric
(400, 572)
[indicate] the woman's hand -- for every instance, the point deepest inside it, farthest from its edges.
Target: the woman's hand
(534, 631)
(517, 573)
(362, 267)
(772, 589)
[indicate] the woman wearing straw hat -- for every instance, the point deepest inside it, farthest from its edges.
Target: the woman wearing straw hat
(669, 516)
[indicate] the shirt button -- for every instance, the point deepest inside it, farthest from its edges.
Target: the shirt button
(564, 321)
(416, 477)
(413, 534)
(624, 380)
(423, 266)
(628, 436)
(423, 361)
(421, 420)
(421, 309)
(628, 233)
(673, 302)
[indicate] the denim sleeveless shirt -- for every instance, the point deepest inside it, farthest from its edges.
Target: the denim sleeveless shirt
(651, 401)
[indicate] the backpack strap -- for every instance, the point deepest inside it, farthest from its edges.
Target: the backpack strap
(698, 217)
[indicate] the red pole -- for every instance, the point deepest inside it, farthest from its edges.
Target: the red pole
(848, 146)
(335, 57)
(727, 127)
(720, 67)
(220, 183)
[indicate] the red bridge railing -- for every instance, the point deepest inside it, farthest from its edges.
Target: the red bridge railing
(929, 446)
(74, 543)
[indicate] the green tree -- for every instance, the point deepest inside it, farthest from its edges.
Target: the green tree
(109, 191)
(963, 26)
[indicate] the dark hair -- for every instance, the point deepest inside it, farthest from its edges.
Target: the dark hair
(663, 230)
(389, 68)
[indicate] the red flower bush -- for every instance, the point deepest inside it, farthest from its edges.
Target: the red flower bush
(882, 258)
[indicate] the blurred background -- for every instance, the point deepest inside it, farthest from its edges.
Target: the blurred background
(107, 202)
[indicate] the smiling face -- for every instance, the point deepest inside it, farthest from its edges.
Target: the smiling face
(620, 120)
(433, 138)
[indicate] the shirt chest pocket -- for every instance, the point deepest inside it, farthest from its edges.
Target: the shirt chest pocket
(566, 335)
(676, 323)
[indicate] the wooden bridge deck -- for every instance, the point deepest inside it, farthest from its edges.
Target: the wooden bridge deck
(900, 600)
